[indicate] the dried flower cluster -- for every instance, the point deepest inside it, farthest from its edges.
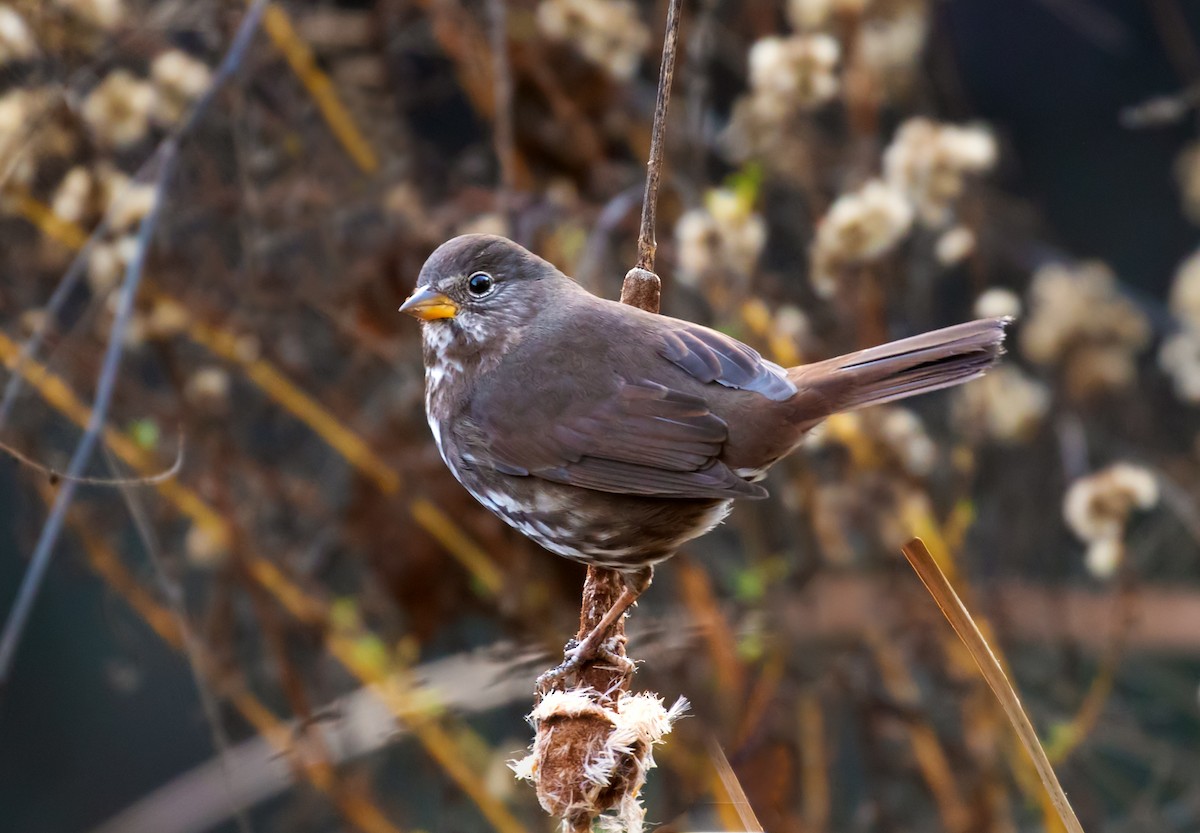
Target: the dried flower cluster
(16, 38)
(792, 73)
(24, 112)
(608, 33)
(1097, 508)
(121, 109)
(118, 109)
(903, 435)
(1079, 321)
(1179, 356)
(954, 245)
(997, 302)
(179, 79)
(815, 14)
(789, 78)
(888, 37)
(925, 168)
(84, 195)
(930, 162)
(36, 127)
(859, 227)
(851, 52)
(720, 242)
(581, 773)
(117, 113)
(890, 44)
(1006, 406)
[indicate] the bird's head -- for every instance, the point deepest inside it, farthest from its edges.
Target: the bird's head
(480, 290)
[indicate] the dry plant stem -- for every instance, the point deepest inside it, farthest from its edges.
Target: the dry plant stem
(566, 744)
(300, 58)
(666, 73)
(604, 592)
(734, 801)
(814, 763)
(167, 154)
(55, 476)
(603, 588)
(960, 619)
(173, 591)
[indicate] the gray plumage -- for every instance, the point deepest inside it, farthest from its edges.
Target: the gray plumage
(611, 435)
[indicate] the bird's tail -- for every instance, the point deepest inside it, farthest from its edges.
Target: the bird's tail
(928, 362)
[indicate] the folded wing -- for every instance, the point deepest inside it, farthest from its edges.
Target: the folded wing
(641, 439)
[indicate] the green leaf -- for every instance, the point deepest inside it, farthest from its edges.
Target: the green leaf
(145, 433)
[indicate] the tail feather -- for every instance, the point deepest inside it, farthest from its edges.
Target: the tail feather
(928, 362)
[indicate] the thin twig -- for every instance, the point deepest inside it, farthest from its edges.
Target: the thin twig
(605, 679)
(167, 156)
(641, 289)
(666, 74)
(173, 592)
(960, 619)
(54, 475)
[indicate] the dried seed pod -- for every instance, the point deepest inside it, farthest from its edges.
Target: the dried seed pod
(591, 754)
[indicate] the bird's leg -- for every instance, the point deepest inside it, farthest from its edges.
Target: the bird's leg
(592, 645)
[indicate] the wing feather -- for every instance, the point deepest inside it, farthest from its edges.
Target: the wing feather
(642, 439)
(710, 356)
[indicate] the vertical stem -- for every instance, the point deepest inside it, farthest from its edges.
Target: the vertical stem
(642, 287)
(666, 74)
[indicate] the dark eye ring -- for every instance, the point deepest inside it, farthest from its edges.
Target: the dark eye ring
(480, 284)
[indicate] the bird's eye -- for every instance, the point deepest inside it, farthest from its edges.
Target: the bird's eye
(480, 284)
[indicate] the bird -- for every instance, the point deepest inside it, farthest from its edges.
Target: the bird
(611, 435)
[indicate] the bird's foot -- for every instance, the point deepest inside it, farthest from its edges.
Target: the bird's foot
(556, 676)
(597, 644)
(577, 654)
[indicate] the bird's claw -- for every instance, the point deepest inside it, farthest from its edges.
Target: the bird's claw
(576, 654)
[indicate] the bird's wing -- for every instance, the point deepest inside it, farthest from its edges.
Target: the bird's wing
(637, 438)
(710, 356)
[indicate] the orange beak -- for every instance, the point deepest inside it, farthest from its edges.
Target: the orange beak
(428, 305)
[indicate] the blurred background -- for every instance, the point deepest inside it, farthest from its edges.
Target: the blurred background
(839, 172)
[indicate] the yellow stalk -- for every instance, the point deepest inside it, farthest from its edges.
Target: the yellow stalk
(300, 58)
(956, 613)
